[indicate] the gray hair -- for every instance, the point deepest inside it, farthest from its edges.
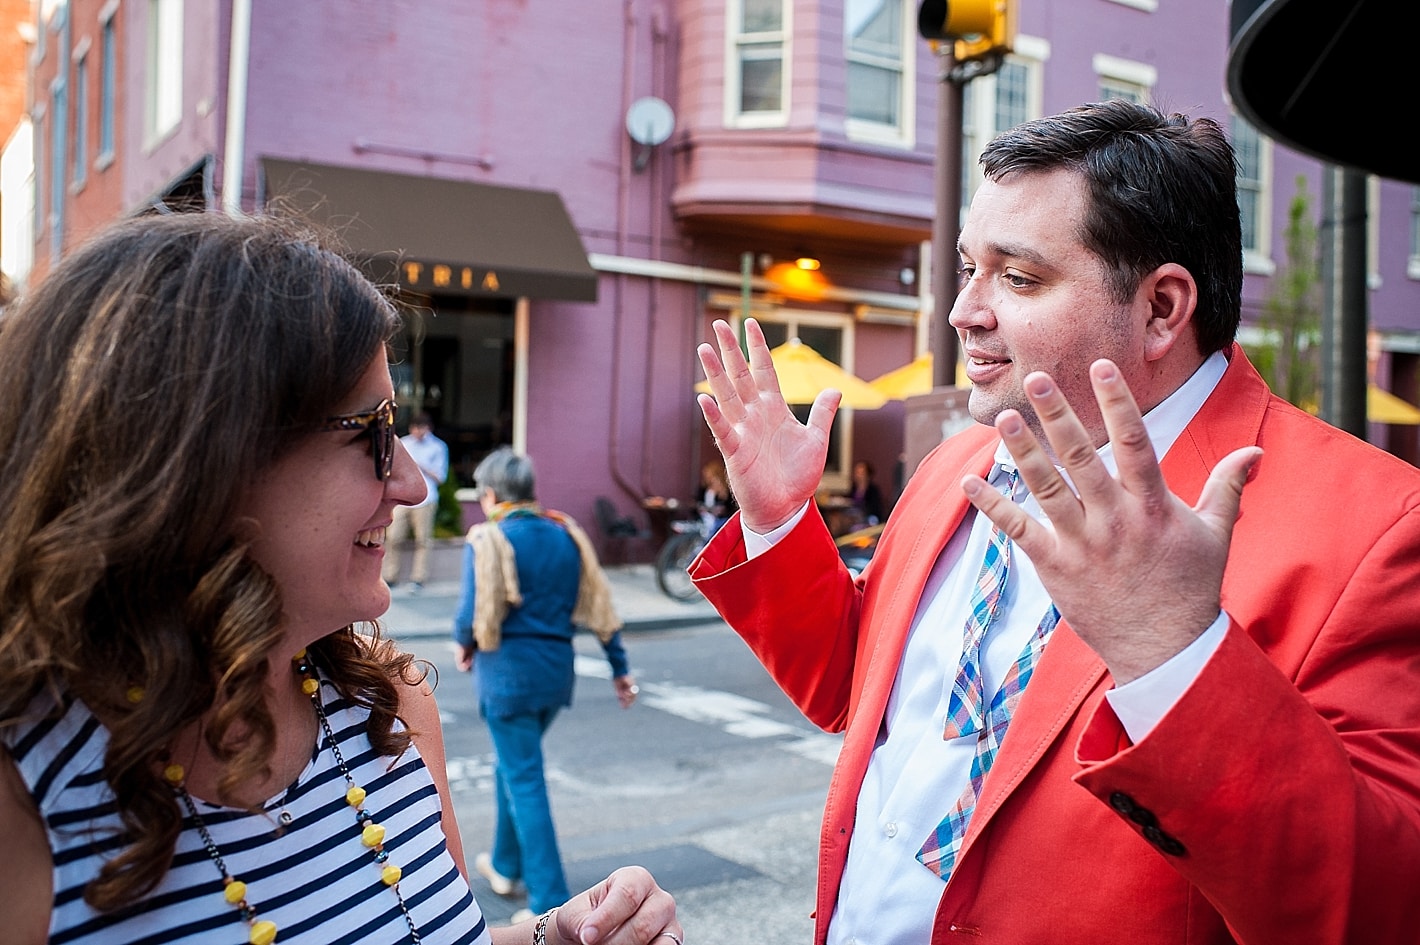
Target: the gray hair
(507, 474)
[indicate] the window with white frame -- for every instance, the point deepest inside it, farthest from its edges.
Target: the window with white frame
(1124, 79)
(164, 99)
(878, 46)
(757, 90)
(832, 337)
(993, 103)
(80, 165)
(1254, 195)
(108, 81)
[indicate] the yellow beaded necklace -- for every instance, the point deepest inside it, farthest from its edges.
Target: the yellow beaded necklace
(372, 835)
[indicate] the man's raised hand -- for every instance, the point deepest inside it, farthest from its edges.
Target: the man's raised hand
(774, 462)
(1135, 572)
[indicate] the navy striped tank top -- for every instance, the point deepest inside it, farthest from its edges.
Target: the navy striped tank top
(313, 878)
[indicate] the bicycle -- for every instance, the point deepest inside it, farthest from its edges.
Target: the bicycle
(686, 540)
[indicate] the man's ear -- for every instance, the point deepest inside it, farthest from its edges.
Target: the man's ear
(1172, 296)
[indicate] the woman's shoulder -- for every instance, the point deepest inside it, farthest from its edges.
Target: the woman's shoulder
(56, 743)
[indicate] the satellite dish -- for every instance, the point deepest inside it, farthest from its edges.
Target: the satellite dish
(649, 121)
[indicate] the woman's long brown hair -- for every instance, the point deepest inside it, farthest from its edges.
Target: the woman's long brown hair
(142, 384)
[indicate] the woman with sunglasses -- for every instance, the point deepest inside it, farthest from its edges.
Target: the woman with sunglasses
(196, 744)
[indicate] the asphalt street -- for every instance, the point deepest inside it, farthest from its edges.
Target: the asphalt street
(713, 781)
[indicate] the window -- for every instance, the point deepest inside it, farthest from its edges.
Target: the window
(108, 77)
(1124, 79)
(58, 151)
(993, 103)
(1254, 199)
(878, 46)
(1412, 268)
(164, 99)
(81, 120)
(1111, 89)
(757, 90)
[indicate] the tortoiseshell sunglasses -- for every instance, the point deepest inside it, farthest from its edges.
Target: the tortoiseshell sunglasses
(380, 424)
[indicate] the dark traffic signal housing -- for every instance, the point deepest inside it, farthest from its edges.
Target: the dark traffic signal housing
(978, 28)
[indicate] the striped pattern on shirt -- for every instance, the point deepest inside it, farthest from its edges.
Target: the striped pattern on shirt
(314, 879)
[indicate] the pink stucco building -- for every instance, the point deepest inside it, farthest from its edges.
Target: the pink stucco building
(561, 272)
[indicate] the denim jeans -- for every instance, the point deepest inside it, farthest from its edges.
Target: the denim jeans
(524, 839)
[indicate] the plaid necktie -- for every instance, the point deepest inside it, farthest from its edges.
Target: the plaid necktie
(968, 700)
(939, 852)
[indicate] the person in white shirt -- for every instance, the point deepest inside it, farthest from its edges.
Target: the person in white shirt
(1065, 722)
(432, 456)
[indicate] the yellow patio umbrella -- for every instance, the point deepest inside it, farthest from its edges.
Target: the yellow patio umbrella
(915, 378)
(1384, 407)
(912, 379)
(804, 373)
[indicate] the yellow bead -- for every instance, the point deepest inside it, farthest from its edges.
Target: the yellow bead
(391, 875)
(355, 796)
(174, 773)
(310, 686)
(263, 932)
(299, 656)
(135, 694)
(235, 891)
(373, 835)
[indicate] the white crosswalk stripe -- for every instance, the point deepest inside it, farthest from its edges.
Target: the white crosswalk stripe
(732, 713)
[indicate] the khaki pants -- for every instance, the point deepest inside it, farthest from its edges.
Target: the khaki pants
(420, 522)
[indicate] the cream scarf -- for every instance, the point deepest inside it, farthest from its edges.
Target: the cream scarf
(495, 576)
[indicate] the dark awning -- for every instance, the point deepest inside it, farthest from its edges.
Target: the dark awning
(435, 235)
(1328, 78)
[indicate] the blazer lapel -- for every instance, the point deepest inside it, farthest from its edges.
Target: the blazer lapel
(1229, 419)
(1069, 671)
(909, 552)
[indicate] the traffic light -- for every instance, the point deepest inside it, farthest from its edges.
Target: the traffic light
(979, 28)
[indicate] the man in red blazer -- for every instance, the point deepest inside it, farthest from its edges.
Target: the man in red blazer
(1200, 754)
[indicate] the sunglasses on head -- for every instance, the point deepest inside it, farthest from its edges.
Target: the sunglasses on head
(380, 424)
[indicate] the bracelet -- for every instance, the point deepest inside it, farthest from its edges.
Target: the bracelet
(540, 930)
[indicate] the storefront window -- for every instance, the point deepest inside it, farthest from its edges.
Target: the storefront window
(454, 360)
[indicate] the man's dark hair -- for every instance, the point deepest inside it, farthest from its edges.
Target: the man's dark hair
(1162, 189)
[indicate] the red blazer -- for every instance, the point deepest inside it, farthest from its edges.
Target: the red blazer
(1278, 802)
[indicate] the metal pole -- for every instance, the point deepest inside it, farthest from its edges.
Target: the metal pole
(1352, 321)
(1326, 242)
(234, 153)
(947, 221)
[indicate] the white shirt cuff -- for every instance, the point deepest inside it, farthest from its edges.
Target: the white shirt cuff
(757, 544)
(1142, 703)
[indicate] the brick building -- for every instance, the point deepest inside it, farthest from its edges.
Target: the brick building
(503, 164)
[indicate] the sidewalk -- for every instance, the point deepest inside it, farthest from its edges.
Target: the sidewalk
(429, 612)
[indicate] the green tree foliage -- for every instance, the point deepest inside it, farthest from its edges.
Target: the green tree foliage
(448, 520)
(1290, 355)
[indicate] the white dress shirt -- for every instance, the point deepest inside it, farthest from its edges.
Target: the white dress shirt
(914, 776)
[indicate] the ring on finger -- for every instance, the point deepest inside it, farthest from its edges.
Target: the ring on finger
(670, 935)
